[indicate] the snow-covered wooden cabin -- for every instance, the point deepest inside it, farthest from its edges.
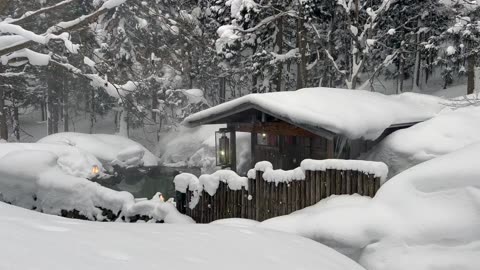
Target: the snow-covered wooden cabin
(316, 123)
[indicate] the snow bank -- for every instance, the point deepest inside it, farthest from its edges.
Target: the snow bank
(424, 218)
(71, 160)
(449, 131)
(33, 179)
(195, 148)
(110, 149)
(57, 243)
(355, 114)
(378, 169)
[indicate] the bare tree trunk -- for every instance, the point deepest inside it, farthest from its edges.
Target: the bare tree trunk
(65, 106)
(92, 111)
(154, 105)
(15, 122)
(401, 73)
(301, 45)
(279, 47)
(471, 74)
(3, 117)
(123, 130)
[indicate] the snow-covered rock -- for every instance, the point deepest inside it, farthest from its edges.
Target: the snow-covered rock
(449, 131)
(71, 160)
(43, 242)
(109, 149)
(424, 218)
(34, 179)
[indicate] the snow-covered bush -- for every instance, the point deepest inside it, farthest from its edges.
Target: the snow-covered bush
(34, 179)
(424, 218)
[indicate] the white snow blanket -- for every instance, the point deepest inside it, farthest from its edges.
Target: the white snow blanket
(355, 114)
(449, 131)
(33, 179)
(71, 160)
(425, 218)
(37, 241)
(110, 149)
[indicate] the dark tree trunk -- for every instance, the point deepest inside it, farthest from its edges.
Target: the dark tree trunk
(279, 47)
(471, 74)
(301, 45)
(3, 117)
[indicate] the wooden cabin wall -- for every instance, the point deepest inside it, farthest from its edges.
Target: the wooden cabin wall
(288, 151)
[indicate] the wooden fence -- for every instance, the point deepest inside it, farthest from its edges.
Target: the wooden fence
(264, 200)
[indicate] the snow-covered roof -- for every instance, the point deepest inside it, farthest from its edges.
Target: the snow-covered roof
(353, 113)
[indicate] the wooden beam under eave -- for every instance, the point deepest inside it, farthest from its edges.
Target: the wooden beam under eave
(275, 128)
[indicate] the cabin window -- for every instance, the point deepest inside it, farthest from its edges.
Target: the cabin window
(267, 139)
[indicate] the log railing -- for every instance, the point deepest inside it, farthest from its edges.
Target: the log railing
(262, 200)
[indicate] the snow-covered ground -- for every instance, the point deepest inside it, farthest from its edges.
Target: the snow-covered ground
(424, 218)
(36, 241)
(449, 131)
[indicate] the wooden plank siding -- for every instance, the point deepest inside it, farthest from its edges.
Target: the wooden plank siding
(263, 200)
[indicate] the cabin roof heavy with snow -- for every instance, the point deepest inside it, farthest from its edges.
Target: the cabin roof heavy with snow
(317, 122)
(352, 113)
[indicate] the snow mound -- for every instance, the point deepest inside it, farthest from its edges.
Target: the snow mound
(355, 114)
(71, 160)
(449, 131)
(57, 243)
(33, 179)
(110, 149)
(424, 218)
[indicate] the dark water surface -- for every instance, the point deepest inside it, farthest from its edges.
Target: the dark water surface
(146, 184)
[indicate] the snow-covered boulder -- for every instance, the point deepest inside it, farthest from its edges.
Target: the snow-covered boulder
(424, 218)
(35, 241)
(71, 160)
(111, 150)
(33, 179)
(449, 131)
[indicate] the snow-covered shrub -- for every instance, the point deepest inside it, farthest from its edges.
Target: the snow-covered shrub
(424, 218)
(33, 179)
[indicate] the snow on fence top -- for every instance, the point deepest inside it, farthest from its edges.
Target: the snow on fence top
(378, 169)
(355, 114)
(210, 183)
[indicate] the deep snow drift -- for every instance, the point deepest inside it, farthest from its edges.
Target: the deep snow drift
(57, 243)
(449, 131)
(110, 149)
(424, 218)
(34, 179)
